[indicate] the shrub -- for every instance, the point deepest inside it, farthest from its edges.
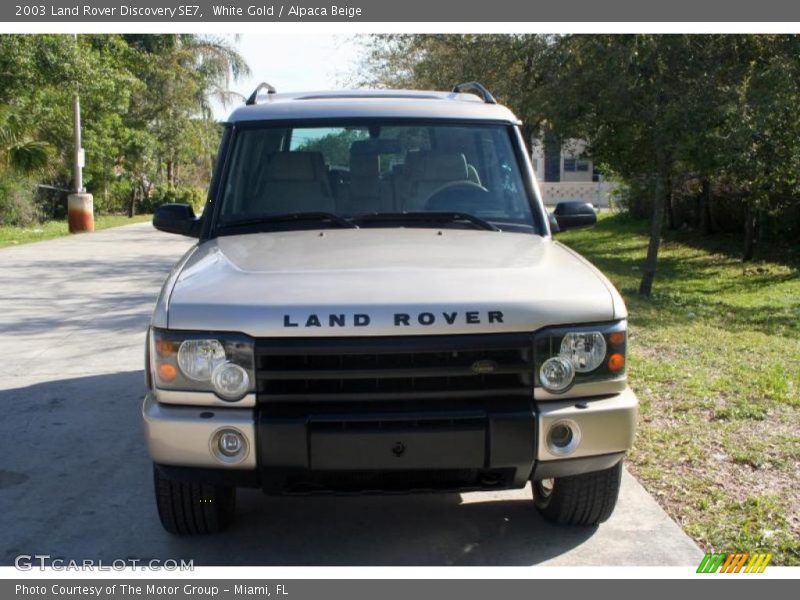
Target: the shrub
(17, 203)
(115, 198)
(164, 194)
(635, 198)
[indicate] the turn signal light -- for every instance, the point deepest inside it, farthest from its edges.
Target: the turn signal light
(167, 372)
(166, 347)
(616, 338)
(616, 362)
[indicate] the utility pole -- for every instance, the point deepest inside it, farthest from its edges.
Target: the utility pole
(78, 154)
(80, 205)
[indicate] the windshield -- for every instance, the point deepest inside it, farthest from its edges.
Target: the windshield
(463, 175)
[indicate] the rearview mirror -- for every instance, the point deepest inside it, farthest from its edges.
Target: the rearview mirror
(377, 146)
(177, 218)
(572, 215)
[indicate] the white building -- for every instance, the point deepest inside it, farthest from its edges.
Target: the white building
(566, 172)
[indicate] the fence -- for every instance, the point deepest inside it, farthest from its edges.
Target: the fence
(600, 194)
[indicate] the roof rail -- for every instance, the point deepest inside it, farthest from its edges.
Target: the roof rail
(260, 87)
(473, 87)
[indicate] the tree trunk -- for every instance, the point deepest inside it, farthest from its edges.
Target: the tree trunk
(527, 134)
(749, 234)
(763, 223)
(171, 173)
(669, 208)
(704, 209)
(656, 224)
(132, 205)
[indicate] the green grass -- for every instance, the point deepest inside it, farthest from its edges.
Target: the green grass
(715, 361)
(11, 236)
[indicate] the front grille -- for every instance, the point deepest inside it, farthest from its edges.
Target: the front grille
(396, 368)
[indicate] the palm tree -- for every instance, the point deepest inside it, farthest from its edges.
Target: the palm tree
(18, 153)
(218, 63)
(213, 59)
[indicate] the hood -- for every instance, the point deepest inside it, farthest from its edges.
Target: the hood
(359, 282)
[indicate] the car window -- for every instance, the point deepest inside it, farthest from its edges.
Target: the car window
(353, 170)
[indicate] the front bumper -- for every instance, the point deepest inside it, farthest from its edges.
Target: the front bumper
(505, 448)
(181, 435)
(606, 424)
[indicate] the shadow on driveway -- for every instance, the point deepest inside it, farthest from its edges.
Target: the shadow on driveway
(76, 482)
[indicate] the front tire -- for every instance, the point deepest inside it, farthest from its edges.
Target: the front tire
(586, 499)
(192, 508)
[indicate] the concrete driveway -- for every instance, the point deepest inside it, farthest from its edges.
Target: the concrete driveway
(76, 482)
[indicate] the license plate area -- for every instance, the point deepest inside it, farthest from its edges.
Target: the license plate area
(397, 443)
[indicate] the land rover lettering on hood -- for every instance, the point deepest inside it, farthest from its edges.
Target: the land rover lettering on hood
(376, 302)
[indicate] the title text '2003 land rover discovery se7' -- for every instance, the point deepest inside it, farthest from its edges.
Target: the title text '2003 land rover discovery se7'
(376, 304)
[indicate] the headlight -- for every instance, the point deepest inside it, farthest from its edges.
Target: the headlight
(594, 353)
(198, 358)
(585, 350)
(198, 362)
(230, 381)
(557, 374)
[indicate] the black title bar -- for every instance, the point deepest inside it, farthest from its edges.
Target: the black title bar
(443, 11)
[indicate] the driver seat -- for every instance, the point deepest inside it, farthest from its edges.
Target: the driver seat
(429, 171)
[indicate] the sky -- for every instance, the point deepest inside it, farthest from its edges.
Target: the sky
(295, 63)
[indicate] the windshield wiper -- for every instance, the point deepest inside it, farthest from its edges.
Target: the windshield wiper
(426, 217)
(322, 217)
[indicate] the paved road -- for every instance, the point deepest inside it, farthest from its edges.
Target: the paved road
(75, 480)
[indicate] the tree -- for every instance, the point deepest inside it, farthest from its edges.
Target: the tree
(644, 103)
(509, 65)
(182, 75)
(764, 131)
(145, 102)
(17, 152)
(655, 109)
(624, 94)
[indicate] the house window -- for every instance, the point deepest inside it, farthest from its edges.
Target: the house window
(571, 165)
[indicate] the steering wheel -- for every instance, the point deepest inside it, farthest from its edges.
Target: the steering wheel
(456, 185)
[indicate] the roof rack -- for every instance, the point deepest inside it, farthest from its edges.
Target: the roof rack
(260, 87)
(473, 87)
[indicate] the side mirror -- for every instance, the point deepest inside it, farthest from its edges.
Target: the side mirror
(572, 215)
(177, 218)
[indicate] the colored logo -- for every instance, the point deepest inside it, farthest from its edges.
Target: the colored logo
(734, 563)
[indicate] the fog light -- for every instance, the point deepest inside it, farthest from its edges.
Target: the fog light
(557, 374)
(231, 382)
(229, 445)
(563, 437)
